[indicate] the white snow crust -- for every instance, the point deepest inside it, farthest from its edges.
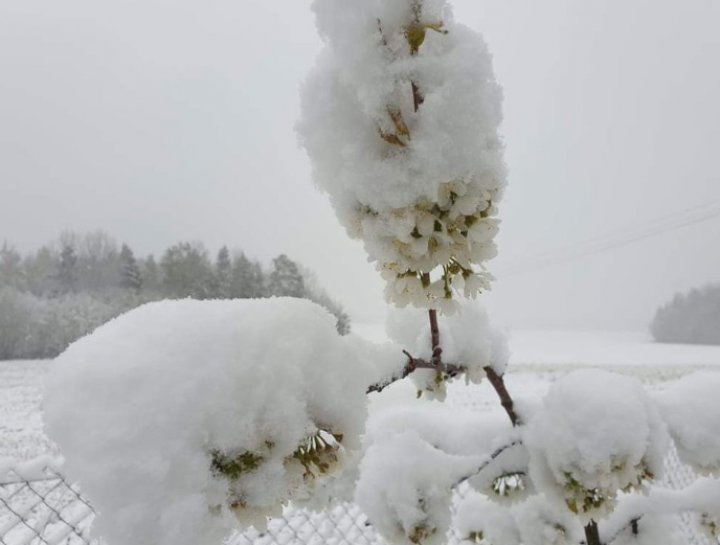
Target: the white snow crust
(417, 180)
(140, 406)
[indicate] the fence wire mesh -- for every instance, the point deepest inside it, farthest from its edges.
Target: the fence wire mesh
(45, 509)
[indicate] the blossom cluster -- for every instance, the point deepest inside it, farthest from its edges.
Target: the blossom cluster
(400, 120)
(197, 414)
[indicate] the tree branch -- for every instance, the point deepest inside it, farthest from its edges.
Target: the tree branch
(592, 534)
(498, 382)
(448, 369)
(488, 461)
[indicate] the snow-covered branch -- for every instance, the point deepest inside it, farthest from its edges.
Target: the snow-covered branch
(447, 371)
(701, 497)
(400, 119)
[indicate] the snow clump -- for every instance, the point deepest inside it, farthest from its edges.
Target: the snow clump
(415, 456)
(400, 120)
(597, 433)
(405, 488)
(180, 416)
(692, 412)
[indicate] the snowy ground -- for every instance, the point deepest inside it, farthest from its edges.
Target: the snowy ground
(537, 359)
(21, 390)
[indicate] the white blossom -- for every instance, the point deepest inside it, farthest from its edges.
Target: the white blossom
(400, 120)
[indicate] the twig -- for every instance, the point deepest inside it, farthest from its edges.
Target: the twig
(418, 99)
(498, 382)
(592, 534)
(488, 461)
(434, 329)
(632, 524)
(448, 369)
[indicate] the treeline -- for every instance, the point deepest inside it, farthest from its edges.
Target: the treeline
(66, 289)
(689, 318)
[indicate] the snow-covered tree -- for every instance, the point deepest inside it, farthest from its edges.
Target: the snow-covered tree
(285, 278)
(99, 264)
(246, 278)
(150, 275)
(186, 271)
(66, 275)
(16, 322)
(39, 271)
(239, 407)
(130, 275)
(693, 317)
(222, 275)
(11, 271)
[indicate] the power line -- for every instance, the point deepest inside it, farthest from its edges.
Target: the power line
(615, 239)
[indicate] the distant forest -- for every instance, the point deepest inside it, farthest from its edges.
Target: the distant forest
(66, 289)
(692, 318)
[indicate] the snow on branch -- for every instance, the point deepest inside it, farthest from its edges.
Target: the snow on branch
(702, 497)
(197, 413)
(400, 120)
(415, 458)
(691, 410)
(596, 434)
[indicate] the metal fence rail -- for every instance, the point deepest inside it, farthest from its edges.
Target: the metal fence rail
(42, 508)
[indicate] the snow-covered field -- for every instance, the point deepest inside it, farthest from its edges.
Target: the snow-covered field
(21, 390)
(538, 357)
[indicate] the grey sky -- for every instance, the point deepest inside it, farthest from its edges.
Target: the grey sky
(160, 120)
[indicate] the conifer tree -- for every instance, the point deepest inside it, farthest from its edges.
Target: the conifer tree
(222, 277)
(187, 271)
(150, 275)
(285, 278)
(130, 277)
(247, 279)
(11, 271)
(67, 273)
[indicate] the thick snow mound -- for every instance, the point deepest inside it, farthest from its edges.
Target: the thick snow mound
(405, 488)
(596, 433)
(179, 414)
(692, 412)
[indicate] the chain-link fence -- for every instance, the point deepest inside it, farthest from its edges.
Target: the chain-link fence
(39, 507)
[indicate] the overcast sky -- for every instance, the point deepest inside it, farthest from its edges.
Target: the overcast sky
(168, 120)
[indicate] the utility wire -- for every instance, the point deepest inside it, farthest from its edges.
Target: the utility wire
(614, 239)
